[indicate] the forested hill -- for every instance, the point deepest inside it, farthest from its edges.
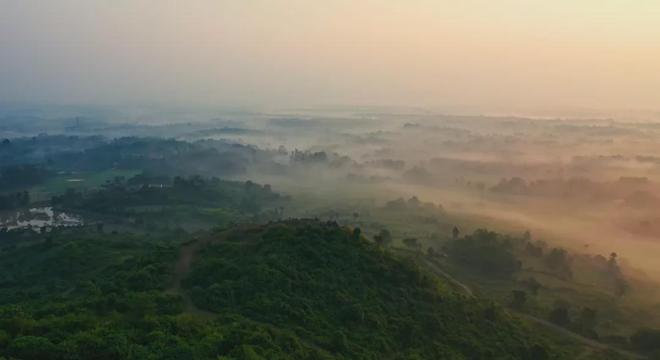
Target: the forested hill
(310, 290)
(298, 289)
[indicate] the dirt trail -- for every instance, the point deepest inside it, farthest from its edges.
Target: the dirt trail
(189, 250)
(438, 271)
(586, 341)
(181, 270)
(186, 255)
(582, 339)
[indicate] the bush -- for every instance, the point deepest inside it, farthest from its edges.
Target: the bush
(646, 340)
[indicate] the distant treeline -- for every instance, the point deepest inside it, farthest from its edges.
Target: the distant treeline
(155, 155)
(14, 200)
(21, 176)
(143, 190)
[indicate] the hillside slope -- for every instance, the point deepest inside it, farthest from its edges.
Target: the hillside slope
(318, 290)
(298, 289)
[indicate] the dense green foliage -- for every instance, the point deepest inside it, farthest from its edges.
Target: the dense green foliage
(647, 341)
(340, 295)
(162, 156)
(302, 290)
(292, 290)
(486, 252)
(20, 176)
(161, 201)
(14, 201)
(77, 294)
(117, 196)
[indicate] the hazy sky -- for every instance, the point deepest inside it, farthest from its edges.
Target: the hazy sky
(504, 53)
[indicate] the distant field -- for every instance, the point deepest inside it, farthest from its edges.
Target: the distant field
(83, 180)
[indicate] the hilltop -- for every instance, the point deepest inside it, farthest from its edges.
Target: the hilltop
(297, 289)
(309, 289)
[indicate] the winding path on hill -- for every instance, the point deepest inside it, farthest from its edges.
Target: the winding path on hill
(452, 280)
(548, 324)
(189, 251)
(181, 270)
(183, 265)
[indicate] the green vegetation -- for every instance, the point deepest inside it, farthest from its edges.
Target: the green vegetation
(647, 341)
(20, 176)
(78, 294)
(293, 290)
(14, 201)
(603, 303)
(153, 202)
(588, 295)
(339, 296)
(486, 252)
(58, 184)
(115, 288)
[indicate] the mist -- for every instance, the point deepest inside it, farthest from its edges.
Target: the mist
(186, 158)
(590, 185)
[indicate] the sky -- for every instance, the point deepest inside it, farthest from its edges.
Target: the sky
(500, 54)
